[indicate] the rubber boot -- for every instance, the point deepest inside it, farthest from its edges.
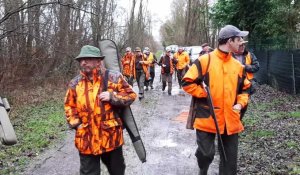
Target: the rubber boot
(164, 86)
(151, 85)
(203, 172)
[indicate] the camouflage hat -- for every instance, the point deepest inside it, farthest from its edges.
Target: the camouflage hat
(137, 49)
(229, 31)
(89, 51)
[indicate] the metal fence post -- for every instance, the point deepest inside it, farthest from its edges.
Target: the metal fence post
(293, 73)
(268, 68)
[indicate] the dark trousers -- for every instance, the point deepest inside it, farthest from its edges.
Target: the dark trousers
(180, 74)
(206, 151)
(140, 79)
(114, 161)
(167, 77)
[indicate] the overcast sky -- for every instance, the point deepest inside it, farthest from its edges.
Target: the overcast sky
(160, 10)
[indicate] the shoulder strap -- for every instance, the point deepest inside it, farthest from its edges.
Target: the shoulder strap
(208, 63)
(201, 77)
(105, 80)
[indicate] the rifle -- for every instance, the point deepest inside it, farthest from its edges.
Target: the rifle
(192, 112)
(212, 112)
(7, 133)
(109, 48)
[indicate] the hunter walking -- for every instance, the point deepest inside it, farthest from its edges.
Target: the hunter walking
(89, 103)
(229, 89)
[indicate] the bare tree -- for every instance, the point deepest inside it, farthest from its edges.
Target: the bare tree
(190, 21)
(131, 25)
(40, 38)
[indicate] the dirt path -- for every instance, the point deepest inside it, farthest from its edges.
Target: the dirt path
(161, 120)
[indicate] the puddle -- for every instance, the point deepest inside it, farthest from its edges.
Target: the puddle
(164, 143)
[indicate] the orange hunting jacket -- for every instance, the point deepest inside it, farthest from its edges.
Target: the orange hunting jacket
(251, 64)
(126, 64)
(228, 86)
(144, 65)
(183, 60)
(98, 128)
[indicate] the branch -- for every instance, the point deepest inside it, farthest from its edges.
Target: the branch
(22, 7)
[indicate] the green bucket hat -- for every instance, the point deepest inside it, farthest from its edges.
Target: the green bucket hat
(88, 51)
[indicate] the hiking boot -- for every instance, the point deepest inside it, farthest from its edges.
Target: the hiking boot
(141, 96)
(146, 88)
(164, 86)
(151, 87)
(169, 93)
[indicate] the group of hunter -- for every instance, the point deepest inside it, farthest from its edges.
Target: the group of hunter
(140, 66)
(93, 95)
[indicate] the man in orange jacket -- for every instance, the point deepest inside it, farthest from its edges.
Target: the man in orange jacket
(126, 65)
(151, 58)
(89, 103)
(229, 90)
(167, 69)
(140, 70)
(182, 60)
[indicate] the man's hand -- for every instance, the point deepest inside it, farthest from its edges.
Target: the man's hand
(237, 107)
(104, 96)
(247, 67)
(141, 62)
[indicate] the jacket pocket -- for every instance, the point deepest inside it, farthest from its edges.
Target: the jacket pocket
(82, 138)
(201, 107)
(112, 134)
(84, 117)
(236, 114)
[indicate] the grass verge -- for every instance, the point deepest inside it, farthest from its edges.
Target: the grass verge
(270, 142)
(37, 127)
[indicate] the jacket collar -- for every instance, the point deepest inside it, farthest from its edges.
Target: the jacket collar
(225, 56)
